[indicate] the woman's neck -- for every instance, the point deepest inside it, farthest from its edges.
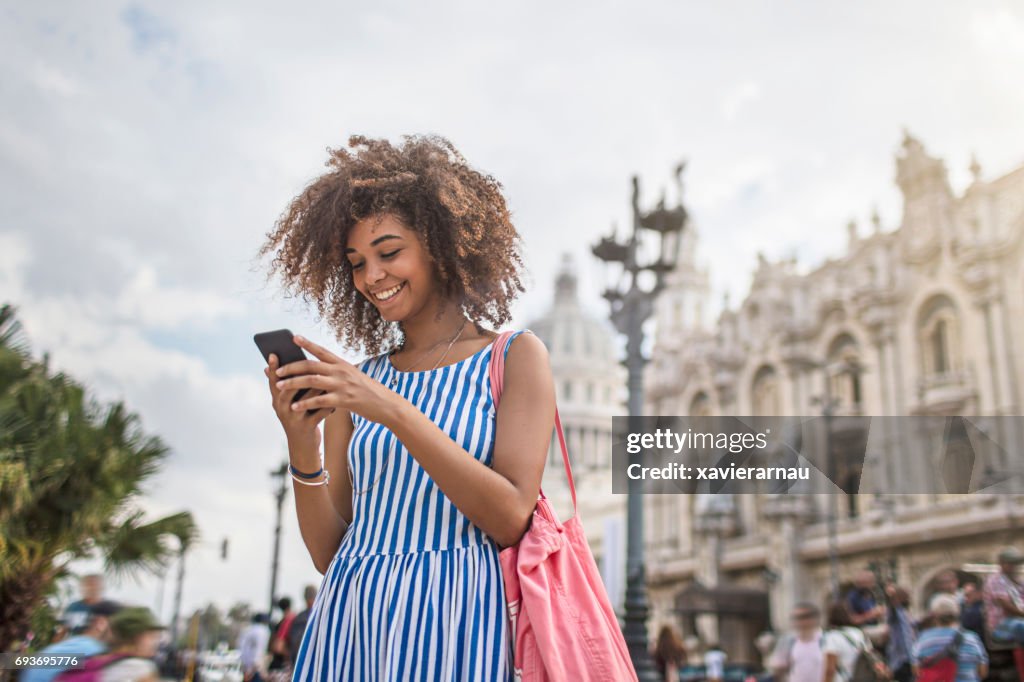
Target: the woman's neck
(429, 329)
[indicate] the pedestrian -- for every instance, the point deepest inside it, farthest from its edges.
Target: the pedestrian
(798, 657)
(93, 641)
(669, 654)
(946, 645)
(136, 636)
(1004, 598)
(862, 601)
(298, 626)
(843, 644)
(406, 246)
(946, 582)
(714, 663)
(902, 634)
(280, 660)
(972, 610)
(252, 648)
(76, 615)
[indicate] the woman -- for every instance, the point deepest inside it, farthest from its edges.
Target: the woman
(136, 635)
(938, 643)
(669, 654)
(407, 246)
(842, 644)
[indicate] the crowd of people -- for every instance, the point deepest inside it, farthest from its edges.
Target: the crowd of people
(118, 642)
(124, 643)
(871, 633)
(873, 626)
(268, 652)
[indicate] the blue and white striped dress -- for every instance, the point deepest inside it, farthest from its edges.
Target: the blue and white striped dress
(415, 590)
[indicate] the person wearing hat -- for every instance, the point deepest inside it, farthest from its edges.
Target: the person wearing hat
(136, 638)
(92, 641)
(946, 640)
(1004, 598)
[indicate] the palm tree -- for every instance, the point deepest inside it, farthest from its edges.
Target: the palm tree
(70, 471)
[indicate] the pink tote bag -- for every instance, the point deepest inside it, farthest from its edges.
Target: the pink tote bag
(562, 623)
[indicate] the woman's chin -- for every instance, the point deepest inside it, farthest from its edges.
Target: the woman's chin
(390, 315)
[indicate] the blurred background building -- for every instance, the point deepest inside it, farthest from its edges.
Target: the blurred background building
(589, 386)
(932, 311)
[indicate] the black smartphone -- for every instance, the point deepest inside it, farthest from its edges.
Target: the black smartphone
(281, 343)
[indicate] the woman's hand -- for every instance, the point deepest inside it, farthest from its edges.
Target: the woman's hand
(301, 429)
(342, 385)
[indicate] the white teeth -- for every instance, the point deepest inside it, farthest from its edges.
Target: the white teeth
(384, 295)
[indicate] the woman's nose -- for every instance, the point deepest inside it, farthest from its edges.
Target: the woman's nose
(374, 273)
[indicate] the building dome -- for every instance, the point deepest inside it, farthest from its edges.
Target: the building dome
(574, 338)
(589, 381)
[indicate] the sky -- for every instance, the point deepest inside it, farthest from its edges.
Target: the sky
(146, 149)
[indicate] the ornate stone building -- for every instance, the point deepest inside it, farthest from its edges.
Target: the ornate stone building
(933, 311)
(589, 385)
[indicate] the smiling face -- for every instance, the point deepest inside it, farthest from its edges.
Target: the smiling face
(391, 268)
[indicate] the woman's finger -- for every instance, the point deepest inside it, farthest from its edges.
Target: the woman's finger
(312, 403)
(318, 351)
(302, 367)
(271, 372)
(317, 416)
(304, 381)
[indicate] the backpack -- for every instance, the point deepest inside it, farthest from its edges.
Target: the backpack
(941, 667)
(867, 667)
(91, 670)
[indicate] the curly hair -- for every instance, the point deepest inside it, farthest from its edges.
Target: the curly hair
(458, 213)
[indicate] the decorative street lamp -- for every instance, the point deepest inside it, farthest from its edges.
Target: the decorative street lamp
(281, 473)
(632, 303)
(829, 405)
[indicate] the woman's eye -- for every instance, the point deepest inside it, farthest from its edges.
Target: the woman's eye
(356, 266)
(391, 254)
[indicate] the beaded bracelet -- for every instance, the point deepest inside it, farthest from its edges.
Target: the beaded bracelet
(325, 481)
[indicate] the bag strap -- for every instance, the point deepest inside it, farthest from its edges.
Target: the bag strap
(497, 371)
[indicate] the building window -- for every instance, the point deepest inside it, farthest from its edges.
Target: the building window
(940, 363)
(700, 406)
(766, 393)
(939, 337)
(567, 391)
(844, 371)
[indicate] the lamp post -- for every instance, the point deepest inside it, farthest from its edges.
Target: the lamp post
(829, 404)
(632, 303)
(279, 473)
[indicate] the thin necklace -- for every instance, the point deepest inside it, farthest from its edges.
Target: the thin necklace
(394, 382)
(394, 379)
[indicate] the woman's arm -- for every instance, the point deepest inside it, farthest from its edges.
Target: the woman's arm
(498, 499)
(831, 663)
(320, 522)
(337, 434)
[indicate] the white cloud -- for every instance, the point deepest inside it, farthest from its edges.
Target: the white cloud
(14, 258)
(51, 79)
(999, 32)
(737, 98)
